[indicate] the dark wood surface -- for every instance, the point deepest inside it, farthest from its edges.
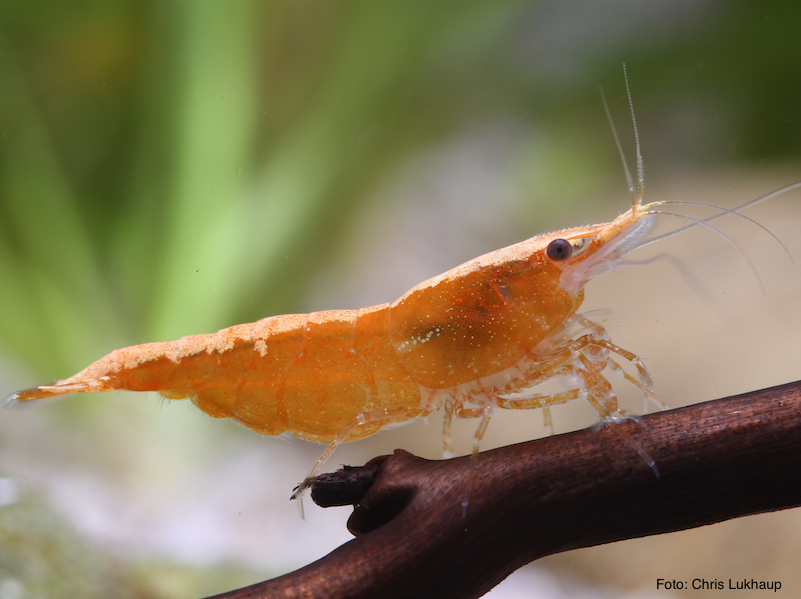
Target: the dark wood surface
(717, 460)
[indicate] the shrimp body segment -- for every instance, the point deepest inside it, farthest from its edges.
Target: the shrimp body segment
(479, 336)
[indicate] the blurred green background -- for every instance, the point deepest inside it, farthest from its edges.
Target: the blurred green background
(175, 168)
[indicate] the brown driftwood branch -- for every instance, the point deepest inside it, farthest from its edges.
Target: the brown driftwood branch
(717, 460)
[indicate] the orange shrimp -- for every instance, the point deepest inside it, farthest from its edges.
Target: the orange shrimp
(484, 334)
(481, 336)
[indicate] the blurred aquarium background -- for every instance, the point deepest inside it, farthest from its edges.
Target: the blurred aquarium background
(172, 168)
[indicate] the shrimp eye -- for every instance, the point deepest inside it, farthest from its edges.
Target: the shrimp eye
(559, 249)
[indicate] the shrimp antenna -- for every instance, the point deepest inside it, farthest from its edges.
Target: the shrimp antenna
(636, 195)
(722, 212)
(640, 168)
(705, 223)
(725, 212)
(629, 180)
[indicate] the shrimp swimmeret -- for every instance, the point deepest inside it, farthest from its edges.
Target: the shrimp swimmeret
(481, 336)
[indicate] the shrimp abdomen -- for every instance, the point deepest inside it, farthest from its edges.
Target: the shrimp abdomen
(308, 374)
(346, 367)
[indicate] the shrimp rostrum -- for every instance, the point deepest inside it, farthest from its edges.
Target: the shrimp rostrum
(483, 335)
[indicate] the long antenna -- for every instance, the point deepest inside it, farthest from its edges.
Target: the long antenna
(640, 168)
(620, 150)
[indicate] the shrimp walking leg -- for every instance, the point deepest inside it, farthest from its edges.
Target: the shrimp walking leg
(537, 401)
(589, 348)
(602, 398)
(485, 413)
(543, 402)
(644, 388)
(644, 383)
(583, 360)
(447, 428)
(547, 420)
(384, 417)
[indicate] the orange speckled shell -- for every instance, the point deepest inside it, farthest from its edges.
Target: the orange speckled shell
(480, 318)
(313, 374)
